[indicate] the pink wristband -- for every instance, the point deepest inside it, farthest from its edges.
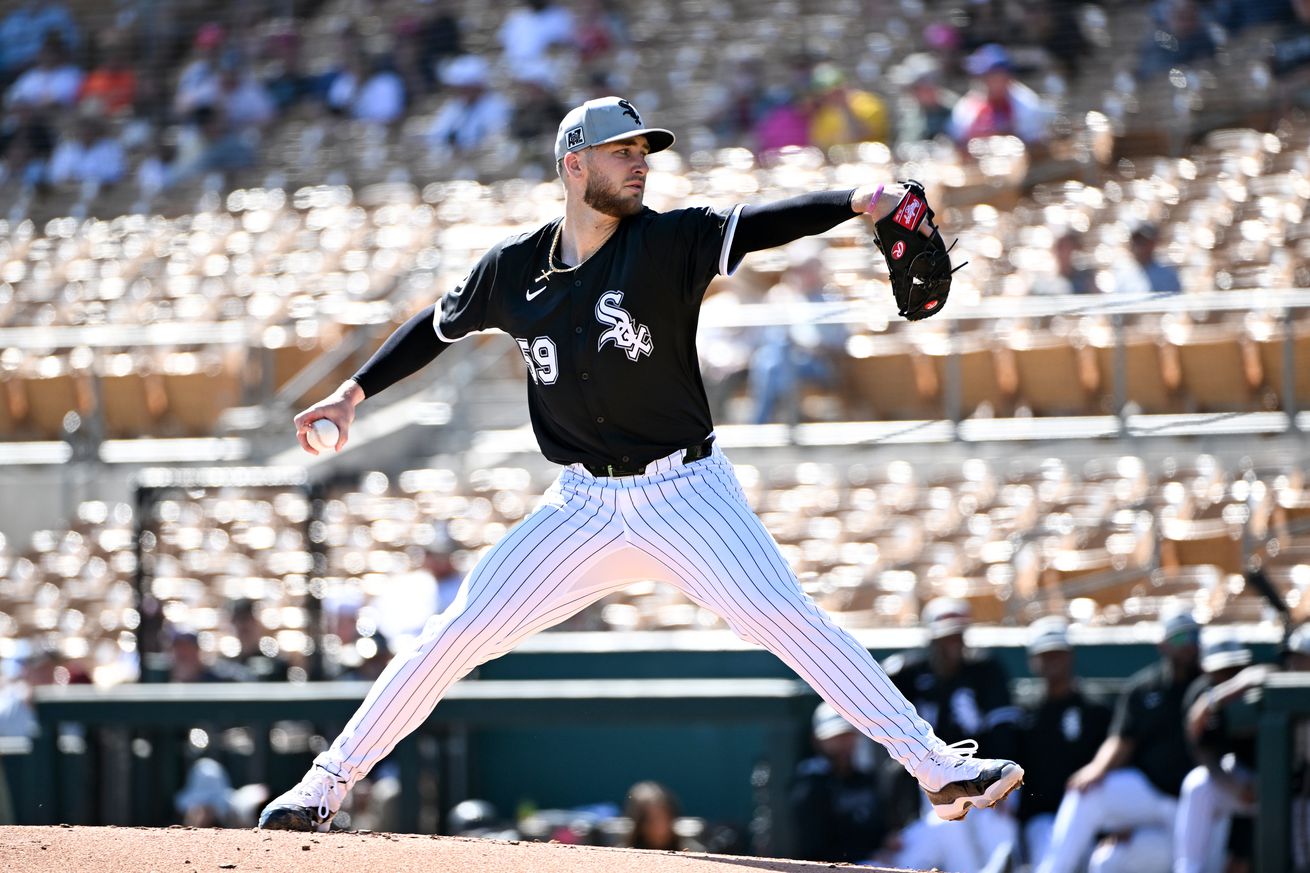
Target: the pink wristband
(874, 199)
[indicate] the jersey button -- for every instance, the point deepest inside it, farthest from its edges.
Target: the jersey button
(625, 459)
(586, 376)
(577, 283)
(577, 330)
(600, 419)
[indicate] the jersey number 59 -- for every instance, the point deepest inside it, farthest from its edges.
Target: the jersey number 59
(541, 359)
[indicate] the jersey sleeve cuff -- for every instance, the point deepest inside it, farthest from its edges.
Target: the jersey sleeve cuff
(436, 325)
(727, 268)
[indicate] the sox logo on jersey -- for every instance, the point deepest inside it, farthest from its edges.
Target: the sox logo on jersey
(632, 338)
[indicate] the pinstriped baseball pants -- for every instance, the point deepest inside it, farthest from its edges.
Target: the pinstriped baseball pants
(688, 525)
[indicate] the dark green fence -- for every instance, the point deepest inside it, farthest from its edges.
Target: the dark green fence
(117, 755)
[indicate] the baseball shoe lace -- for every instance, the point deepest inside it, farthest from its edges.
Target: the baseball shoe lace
(310, 805)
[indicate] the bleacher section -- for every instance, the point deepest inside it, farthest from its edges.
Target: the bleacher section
(1108, 541)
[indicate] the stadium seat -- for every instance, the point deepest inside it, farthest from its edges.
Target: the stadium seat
(1053, 376)
(1219, 370)
(986, 385)
(1152, 376)
(132, 398)
(198, 388)
(889, 378)
(1270, 340)
(1211, 542)
(54, 389)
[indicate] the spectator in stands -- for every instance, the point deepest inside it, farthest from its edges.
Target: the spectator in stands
(1070, 277)
(53, 82)
(474, 112)
(739, 104)
(258, 656)
(17, 715)
(992, 21)
(724, 348)
(155, 171)
(1130, 789)
(90, 154)
(1237, 15)
(439, 37)
(412, 598)
(962, 693)
(945, 42)
(840, 114)
(802, 353)
(601, 29)
(1181, 36)
(186, 662)
(287, 82)
(836, 806)
(478, 818)
(784, 121)
(653, 810)
(537, 108)
(26, 141)
(416, 77)
(926, 112)
(25, 30)
(1062, 729)
(998, 104)
(208, 800)
(209, 144)
(1140, 272)
(113, 82)
(533, 28)
(205, 801)
(1054, 25)
(369, 89)
(241, 97)
(362, 661)
(1223, 784)
(197, 84)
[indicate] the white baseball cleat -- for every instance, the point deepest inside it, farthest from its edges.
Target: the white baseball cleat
(956, 782)
(309, 806)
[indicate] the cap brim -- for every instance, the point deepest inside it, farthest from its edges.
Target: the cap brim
(948, 627)
(828, 731)
(1041, 648)
(1225, 661)
(656, 137)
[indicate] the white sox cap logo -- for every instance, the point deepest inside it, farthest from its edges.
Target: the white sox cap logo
(633, 339)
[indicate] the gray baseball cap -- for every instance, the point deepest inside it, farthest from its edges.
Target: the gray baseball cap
(603, 120)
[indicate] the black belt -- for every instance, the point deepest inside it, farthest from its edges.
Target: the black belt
(695, 453)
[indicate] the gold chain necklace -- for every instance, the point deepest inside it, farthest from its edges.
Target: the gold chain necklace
(554, 249)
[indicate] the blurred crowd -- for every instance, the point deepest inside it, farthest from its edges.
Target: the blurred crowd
(153, 99)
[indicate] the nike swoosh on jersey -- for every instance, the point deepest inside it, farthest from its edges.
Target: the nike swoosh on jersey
(533, 293)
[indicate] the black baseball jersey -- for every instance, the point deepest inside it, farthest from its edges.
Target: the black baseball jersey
(610, 347)
(837, 818)
(1150, 713)
(1221, 738)
(1057, 738)
(975, 703)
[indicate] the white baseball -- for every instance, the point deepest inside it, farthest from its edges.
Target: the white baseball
(323, 435)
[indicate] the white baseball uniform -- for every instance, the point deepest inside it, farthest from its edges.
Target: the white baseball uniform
(686, 524)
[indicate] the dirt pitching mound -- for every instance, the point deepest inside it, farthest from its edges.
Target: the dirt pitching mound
(67, 849)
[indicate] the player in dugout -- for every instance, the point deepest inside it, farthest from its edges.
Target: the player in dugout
(603, 304)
